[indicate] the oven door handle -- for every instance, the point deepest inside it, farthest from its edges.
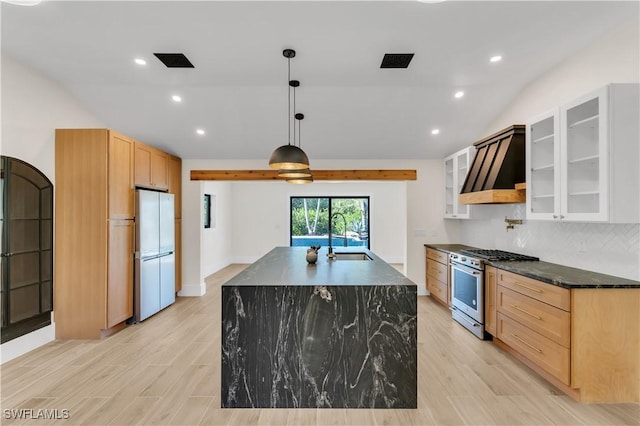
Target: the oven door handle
(465, 269)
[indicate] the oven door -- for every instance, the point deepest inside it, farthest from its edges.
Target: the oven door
(467, 291)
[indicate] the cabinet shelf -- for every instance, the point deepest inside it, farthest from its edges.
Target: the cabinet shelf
(545, 167)
(582, 193)
(543, 196)
(544, 138)
(584, 159)
(583, 121)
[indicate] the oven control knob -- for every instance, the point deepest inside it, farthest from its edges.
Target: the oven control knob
(475, 262)
(454, 256)
(463, 259)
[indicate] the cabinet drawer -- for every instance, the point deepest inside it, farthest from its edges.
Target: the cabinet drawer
(548, 355)
(438, 256)
(544, 319)
(437, 289)
(547, 293)
(437, 270)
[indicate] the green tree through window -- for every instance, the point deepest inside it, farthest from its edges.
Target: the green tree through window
(311, 217)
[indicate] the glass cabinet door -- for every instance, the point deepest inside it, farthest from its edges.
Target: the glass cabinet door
(449, 190)
(462, 166)
(584, 158)
(543, 160)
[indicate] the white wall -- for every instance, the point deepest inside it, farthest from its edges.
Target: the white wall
(610, 249)
(404, 215)
(32, 108)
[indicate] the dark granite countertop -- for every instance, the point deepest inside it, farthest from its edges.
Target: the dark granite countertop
(565, 276)
(287, 266)
(449, 248)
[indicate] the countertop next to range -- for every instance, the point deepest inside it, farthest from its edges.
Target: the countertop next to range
(552, 273)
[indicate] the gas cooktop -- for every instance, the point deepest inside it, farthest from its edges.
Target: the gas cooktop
(498, 255)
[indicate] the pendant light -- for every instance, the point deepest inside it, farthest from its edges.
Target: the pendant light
(302, 175)
(289, 157)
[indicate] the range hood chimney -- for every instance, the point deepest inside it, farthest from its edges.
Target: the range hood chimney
(497, 169)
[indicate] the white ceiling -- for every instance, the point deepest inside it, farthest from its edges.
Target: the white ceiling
(238, 93)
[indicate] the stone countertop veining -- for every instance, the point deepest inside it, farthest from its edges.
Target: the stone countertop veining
(449, 248)
(564, 276)
(287, 266)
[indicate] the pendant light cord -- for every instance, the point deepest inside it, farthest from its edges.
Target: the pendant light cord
(289, 99)
(294, 114)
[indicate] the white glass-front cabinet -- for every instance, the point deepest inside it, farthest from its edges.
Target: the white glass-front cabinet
(456, 167)
(582, 159)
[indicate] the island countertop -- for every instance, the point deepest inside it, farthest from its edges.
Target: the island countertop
(288, 266)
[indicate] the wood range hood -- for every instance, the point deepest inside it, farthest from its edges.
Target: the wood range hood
(497, 173)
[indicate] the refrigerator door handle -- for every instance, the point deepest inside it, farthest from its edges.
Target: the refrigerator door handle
(152, 257)
(165, 253)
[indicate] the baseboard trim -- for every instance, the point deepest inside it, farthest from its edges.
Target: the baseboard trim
(193, 290)
(23, 344)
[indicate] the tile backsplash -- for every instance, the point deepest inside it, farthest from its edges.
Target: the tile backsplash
(604, 248)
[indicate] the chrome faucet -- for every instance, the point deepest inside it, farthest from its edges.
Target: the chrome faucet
(330, 254)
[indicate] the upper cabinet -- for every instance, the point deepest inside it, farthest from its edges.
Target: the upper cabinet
(582, 159)
(455, 171)
(175, 183)
(151, 167)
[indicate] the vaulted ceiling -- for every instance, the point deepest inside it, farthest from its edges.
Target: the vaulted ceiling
(237, 92)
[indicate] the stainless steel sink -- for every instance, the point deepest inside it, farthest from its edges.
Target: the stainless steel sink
(352, 256)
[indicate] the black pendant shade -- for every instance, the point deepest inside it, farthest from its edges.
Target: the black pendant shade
(301, 180)
(289, 157)
(294, 173)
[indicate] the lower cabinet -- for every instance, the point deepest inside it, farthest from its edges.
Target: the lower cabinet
(120, 275)
(438, 276)
(585, 341)
(490, 310)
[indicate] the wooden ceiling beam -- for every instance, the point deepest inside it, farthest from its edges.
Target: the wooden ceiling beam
(249, 175)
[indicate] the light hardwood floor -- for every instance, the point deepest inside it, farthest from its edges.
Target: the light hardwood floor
(167, 371)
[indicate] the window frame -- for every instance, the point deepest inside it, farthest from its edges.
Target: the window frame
(330, 198)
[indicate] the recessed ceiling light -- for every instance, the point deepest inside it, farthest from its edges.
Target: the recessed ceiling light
(176, 98)
(140, 61)
(200, 132)
(435, 131)
(496, 58)
(459, 94)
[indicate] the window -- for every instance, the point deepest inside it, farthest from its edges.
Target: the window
(311, 218)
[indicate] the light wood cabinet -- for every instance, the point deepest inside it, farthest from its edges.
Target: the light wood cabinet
(437, 276)
(581, 158)
(178, 252)
(585, 341)
(175, 183)
(93, 231)
(456, 167)
(490, 290)
(151, 167)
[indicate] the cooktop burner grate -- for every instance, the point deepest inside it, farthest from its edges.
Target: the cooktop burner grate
(498, 255)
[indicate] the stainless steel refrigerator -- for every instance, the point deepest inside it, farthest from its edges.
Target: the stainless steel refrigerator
(155, 254)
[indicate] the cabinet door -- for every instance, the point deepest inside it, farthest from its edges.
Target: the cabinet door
(461, 164)
(449, 190)
(490, 291)
(159, 169)
(178, 252)
(120, 177)
(543, 166)
(584, 158)
(120, 278)
(175, 184)
(142, 170)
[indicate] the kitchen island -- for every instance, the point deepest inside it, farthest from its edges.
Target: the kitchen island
(335, 334)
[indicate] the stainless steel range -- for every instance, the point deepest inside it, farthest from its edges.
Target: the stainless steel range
(467, 285)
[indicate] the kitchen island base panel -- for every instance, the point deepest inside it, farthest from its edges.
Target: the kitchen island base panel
(319, 346)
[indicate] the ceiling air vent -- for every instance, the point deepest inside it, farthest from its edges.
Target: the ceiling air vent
(396, 60)
(174, 60)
